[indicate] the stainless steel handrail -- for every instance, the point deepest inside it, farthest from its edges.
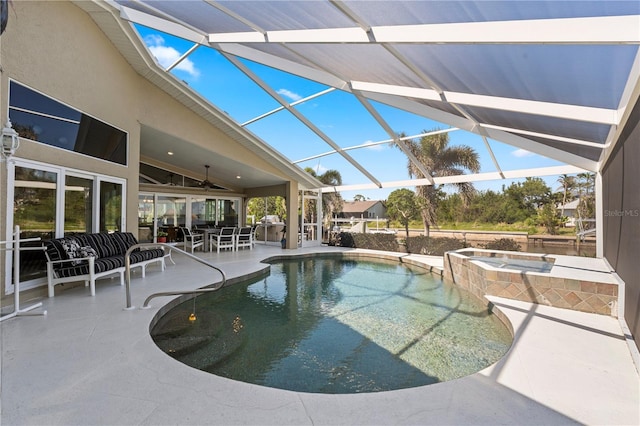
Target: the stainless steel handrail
(145, 305)
(127, 265)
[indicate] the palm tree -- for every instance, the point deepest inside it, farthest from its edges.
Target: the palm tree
(331, 201)
(440, 159)
(586, 195)
(568, 185)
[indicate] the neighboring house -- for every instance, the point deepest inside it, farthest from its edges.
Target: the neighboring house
(570, 212)
(363, 210)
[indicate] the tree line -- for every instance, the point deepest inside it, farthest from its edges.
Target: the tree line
(531, 201)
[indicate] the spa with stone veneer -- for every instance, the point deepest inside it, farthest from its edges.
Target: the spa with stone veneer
(538, 278)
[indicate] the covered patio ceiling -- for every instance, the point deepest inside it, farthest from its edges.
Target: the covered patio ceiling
(556, 78)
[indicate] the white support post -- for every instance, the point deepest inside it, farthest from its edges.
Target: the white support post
(15, 247)
(599, 217)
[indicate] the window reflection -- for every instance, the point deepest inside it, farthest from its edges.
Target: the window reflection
(146, 215)
(78, 205)
(34, 210)
(37, 211)
(43, 119)
(203, 212)
(110, 206)
(228, 212)
(171, 214)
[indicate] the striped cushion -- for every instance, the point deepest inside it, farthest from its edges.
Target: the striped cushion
(101, 265)
(54, 249)
(142, 255)
(124, 240)
(104, 244)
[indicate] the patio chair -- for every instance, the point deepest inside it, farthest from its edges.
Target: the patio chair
(192, 241)
(223, 240)
(244, 238)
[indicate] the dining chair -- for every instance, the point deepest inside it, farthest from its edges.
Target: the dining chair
(225, 239)
(244, 238)
(192, 241)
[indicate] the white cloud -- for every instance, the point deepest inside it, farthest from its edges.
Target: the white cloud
(167, 55)
(521, 153)
(379, 147)
(320, 169)
(289, 94)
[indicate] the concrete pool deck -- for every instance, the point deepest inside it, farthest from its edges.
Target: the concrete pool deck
(89, 361)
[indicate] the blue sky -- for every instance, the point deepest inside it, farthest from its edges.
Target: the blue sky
(337, 114)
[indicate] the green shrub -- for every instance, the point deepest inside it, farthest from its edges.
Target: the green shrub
(389, 242)
(345, 239)
(433, 246)
(505, 244)
(384, 242)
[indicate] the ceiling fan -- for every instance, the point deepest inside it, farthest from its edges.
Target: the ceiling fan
(206, 184)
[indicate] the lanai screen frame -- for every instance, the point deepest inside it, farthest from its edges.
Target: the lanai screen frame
(579, 128)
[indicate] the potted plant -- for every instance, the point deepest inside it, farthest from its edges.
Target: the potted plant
(162, 237)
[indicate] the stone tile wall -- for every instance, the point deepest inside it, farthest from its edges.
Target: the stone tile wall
(543, 288)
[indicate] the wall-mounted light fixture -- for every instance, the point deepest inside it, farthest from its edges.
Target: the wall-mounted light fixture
(10, 140)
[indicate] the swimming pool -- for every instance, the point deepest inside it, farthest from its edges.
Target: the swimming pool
(329, 325)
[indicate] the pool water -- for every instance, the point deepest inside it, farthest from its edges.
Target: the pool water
(525, 265)
(330, 325)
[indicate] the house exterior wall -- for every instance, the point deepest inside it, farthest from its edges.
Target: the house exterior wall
(378, 210)
(56, 48)
(374, 210)
(621, 217)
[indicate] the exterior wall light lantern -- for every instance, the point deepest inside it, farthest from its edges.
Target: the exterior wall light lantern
(10, 140)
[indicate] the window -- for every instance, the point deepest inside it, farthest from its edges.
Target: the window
(78, 205)
(154, 175)
(49, 202)
(172, 213)
(110, 206)
(34, 210)
(163, 212)
(43, 119)
(203, 212)
(228, 212)
(146, 218)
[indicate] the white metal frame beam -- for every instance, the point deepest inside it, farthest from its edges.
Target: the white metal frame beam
(618, 30)
(630, 96)
(304, 120)
(412, 158)
(497, 135)
(370, 144)
(280, 108)
(549, 109)
(478, 177)
(589, 30)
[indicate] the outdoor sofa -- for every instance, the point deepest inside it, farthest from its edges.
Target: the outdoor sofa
(87, 257)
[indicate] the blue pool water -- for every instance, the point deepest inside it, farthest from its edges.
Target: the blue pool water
(330, 325)
(524, 265)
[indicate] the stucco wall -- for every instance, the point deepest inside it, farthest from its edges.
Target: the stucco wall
(56, 48)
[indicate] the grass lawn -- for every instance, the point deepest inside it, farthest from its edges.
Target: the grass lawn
(476, 226)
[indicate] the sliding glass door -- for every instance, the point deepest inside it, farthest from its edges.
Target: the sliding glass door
(78, 205)
(50, 202)
(166, 213)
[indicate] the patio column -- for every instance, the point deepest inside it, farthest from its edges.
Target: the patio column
(292, 215)
(599, 216)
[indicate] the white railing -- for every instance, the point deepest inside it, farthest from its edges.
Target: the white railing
(14, 244)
